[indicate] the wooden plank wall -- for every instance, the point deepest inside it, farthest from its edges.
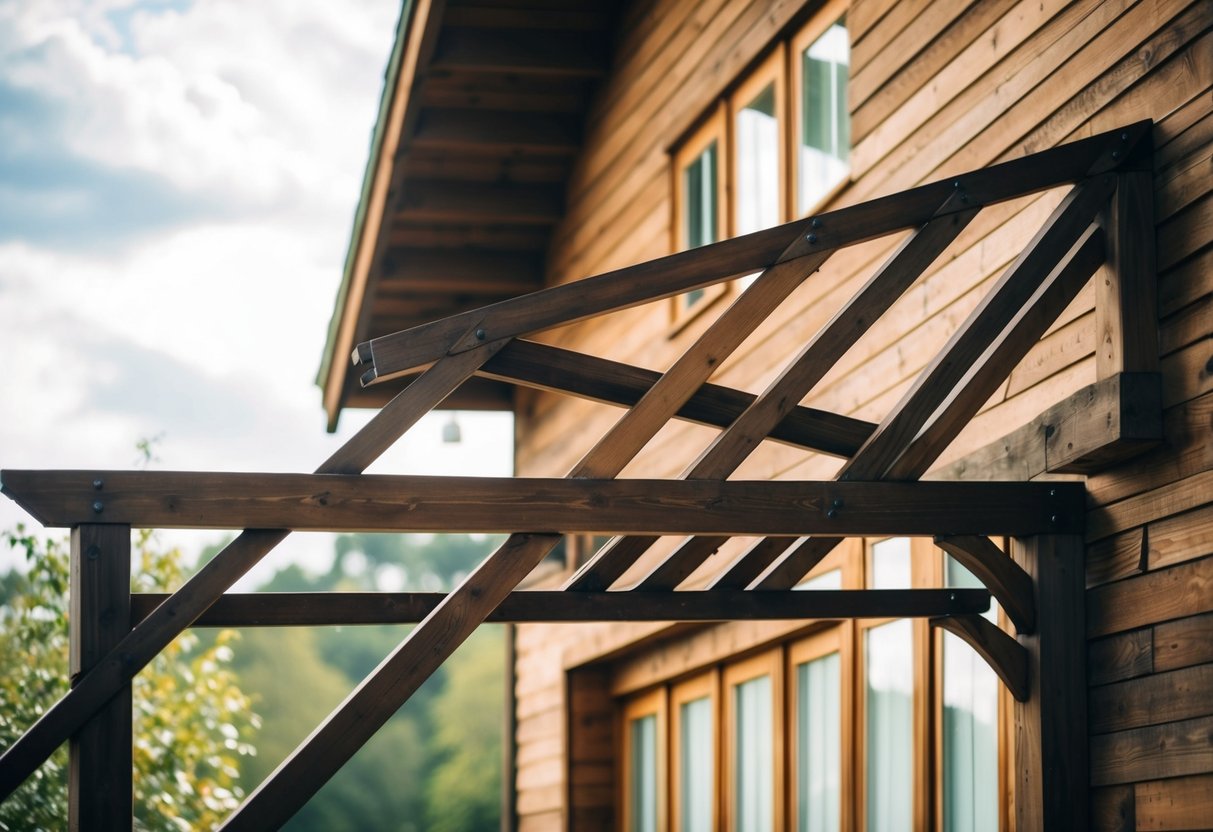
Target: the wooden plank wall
(937, 88)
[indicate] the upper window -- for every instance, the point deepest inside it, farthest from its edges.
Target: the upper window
(750, 165)
(823, 126)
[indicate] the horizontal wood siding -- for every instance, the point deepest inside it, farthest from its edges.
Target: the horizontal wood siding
(937, 88)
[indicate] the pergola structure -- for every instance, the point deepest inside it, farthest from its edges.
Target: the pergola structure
(1104, 221)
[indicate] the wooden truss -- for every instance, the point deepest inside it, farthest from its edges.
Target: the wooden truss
(1105, 220)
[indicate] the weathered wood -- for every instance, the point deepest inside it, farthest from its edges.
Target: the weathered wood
(1183, 643)
(1126, 309)
(1097, 427)
(1112, 809)
(115, 670)
(1122, 656)
(668, 276)
(1172, 750)
(99, 791)
(1176, 803)
(319, 609)
(1177, 592)
(1152, 700)
(611, 382)
(1006, 580)
(1051, 724)
(1005, 655)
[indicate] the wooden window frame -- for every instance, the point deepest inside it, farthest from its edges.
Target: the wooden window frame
(652, 703)
(713, 129)
(822, 20)
(839, 639)
(705, 684)
(923, 692)
(769, 663)
(772, 71)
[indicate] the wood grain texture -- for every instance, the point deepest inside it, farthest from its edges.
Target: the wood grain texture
(1175, 749)
(316, 609)
(1006, 580)
(1152, 700)
(1004, 654)
(99, 789)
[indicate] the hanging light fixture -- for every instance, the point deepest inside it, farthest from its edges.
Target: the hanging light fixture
(451, 433)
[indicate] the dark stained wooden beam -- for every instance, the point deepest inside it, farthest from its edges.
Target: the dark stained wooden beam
(522, 51)
(1006, 656)
(564, 371)
(436, 235)
(496, 131)
(1005, 579)
(414, 270)
(707, 265)
(319, 502)
(319, 609)
(438, 201)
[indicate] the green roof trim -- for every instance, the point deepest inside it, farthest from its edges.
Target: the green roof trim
(391, 78)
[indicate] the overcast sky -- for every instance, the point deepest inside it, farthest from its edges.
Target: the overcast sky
(177, 186)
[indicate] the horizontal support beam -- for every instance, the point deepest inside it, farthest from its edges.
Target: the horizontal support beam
(390, 355)
(612, 382)
(317, 609)
(328, 502)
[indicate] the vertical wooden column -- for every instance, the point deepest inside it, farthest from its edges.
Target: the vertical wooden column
(99, 779)
(1126, 304)
(1051, 726)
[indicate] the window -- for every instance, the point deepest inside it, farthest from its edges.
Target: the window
(743, 169)
(753, 717)
(694, 743)
(821, 57)
(643, 732)
(872, 724)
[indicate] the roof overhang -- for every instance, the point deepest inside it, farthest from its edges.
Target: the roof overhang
(479, 122)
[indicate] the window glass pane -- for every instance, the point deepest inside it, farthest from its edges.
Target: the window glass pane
(699, 196)
(818, 744)
(824, 145)
(970, 728)
(891, 564)
(753, 765)
(695, 756)
(889, 673)
(642, 784)
(826, 580)
(757, 132)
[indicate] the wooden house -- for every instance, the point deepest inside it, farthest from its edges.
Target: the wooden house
(909, 306)
(529, 144)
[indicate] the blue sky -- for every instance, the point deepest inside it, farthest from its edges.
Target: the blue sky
(177, 184)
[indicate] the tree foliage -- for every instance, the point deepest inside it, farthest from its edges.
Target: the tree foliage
(192, 723)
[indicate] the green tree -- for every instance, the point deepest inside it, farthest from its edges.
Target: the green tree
(192, 723)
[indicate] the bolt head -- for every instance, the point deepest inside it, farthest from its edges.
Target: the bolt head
(816, 223)
(97, 484)
(481, 335)
(1115, 154)
(832, 513)
(1124, 137)
(98, 507)
(812, 238)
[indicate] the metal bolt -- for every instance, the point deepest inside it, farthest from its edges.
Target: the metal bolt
(1124, 137)
(816, 223)
(812, 238)
(480, 335)
(838, 502)
(832, 513)
(1054, 518)
(1115, 154)
(97, 484)
(952, 597)
(1052, 492)
(956, 184)
(93, 552)
(98, 507)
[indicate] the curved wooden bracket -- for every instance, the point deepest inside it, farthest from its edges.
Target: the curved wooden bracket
(1007, 656)
(1006, 580)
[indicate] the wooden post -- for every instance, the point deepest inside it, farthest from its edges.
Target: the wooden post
(1051, 726)
(99, 779)
(1126, 305)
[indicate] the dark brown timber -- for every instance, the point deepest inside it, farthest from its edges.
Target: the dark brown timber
(1006, 656)
(318, 609)
(400, 352)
